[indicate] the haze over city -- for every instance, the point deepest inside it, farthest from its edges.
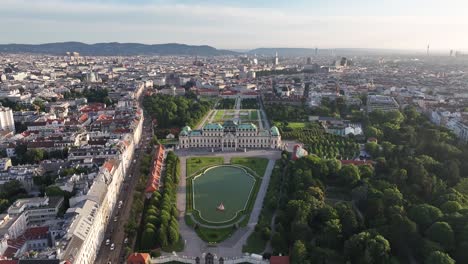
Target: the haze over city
(241, 24)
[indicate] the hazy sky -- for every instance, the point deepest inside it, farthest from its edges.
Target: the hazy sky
(241, 24)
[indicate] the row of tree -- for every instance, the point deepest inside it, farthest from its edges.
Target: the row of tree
(35, 155)
(317, 142)
(161, 227)
(175, 111)
(226, 103)
(250, 103)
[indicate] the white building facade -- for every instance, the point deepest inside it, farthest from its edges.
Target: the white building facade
(230, 136)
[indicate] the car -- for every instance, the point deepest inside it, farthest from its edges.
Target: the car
(115, 219)
(112, 247)
(107, 242)
(126, 240)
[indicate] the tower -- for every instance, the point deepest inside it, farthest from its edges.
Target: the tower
(276, 61)
(316, 51)
(427, 49)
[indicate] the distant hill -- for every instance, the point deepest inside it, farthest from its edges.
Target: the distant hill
(114, 49)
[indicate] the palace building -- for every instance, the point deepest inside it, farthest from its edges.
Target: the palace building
(230, 136)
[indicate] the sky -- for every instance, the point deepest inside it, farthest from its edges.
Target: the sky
(241, 24)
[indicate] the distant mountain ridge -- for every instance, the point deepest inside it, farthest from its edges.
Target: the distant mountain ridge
(132, 49)
(114, 49)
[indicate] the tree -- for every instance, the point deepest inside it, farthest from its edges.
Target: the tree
(4, 204)
(349, 175)
(299, 252)
(367, 248)
(11, 189)
(162, 237)
(438, 257)
(173, 235)
(392, 196)
(451, 207)
(317, 193)
(442, 233)
(147, 239)
(279, 244)
(34, 156)
(54, 190)
(424, 215)
(366, 171)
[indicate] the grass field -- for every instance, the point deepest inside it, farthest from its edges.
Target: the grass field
(198, 163)
(229, 185)
(246, 116)
(253, 115)
(258, 165)
(214, 235)
(219, 116)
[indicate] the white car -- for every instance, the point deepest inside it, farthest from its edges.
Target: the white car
(115, 219)
(126, 240)
(112, 246)
(107, 242)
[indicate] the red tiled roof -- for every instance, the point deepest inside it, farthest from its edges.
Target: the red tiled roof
(108, 166)
(9, 261)
(279, 260)
(138, 258)
(153, 182)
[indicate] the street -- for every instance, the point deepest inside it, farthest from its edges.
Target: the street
(115, 231)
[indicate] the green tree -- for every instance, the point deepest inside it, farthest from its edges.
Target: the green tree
(349, 175)
(147, 238)
(367, 248)
(298, 253)
(442, 233)
(451, 207)
(424, 215)
(438, 257)
(4, 204)
(162, 237)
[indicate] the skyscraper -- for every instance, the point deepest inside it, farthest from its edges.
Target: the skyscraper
(276, 61)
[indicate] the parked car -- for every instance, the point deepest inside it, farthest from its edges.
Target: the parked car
(112, 247)
(107, 242)
(126, 240)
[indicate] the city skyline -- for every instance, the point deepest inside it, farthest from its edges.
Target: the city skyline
(240, 25)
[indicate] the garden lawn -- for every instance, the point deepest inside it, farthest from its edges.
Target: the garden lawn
(219, 116)
(258, 165)
(253, 115)
(195, 164)
(214, 235)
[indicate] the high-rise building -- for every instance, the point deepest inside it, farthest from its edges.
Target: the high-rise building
(309, 61)
(276, 61)
(6, 119)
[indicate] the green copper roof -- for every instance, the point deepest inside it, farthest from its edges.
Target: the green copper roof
(274, 131)
(195, 133)
(212, 126)
(186, 128)
(247, 126)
